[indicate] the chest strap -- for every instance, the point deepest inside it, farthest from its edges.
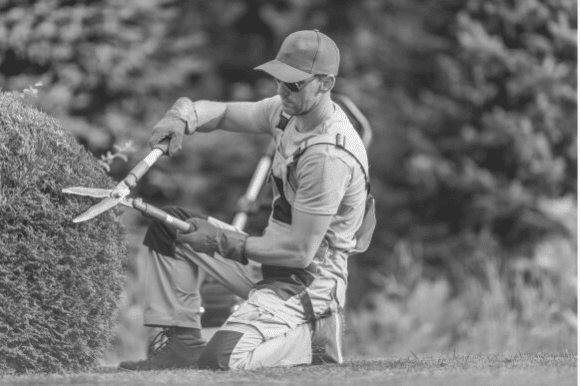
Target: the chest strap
(355, 148)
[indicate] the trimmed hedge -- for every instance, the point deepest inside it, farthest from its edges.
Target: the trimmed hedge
(60, 282)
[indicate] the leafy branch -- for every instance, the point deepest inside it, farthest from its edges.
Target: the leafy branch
(121, 152)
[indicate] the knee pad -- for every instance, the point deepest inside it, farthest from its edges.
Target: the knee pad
(217, 352)
(327, 339)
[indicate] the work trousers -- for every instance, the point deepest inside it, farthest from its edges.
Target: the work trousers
(264, 331)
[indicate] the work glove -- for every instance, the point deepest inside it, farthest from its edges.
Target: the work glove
(170, 126)
(207, 238)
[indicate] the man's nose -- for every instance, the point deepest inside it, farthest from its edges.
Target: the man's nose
(281, 89)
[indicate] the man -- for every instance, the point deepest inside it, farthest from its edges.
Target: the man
(319, 175)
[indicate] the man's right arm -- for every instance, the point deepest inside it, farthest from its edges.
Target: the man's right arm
(204, 116)
(187, 117)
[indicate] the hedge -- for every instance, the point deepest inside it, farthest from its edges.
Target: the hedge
(60, 282)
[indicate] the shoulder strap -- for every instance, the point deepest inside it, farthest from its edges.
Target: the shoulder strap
(355, 148)
(284, 118)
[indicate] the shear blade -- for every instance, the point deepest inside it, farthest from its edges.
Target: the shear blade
(96, 210)
(90, 192)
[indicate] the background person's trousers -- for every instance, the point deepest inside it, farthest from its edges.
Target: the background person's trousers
(264, 331)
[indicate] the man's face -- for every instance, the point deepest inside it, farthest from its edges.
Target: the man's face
(299, 98)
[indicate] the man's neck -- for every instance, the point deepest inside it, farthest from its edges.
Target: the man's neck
(312, 119)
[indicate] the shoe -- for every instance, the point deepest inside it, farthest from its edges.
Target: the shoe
(327, 339)
(168, 351)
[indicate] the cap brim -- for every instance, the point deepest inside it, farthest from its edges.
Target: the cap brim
(283, 72)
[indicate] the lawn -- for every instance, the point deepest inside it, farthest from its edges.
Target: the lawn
(526, 369)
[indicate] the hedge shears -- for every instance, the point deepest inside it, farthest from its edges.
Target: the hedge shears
(119, 194)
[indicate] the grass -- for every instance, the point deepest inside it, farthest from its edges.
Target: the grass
(526, 369)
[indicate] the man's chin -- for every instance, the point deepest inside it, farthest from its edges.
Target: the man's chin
(291, 110)
(288, 110)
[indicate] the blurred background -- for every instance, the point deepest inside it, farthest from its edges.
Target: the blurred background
(473, 105)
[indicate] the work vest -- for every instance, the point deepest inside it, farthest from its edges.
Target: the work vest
(287, 281)
(282, 209)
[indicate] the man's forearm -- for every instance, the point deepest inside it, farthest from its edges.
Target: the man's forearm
(200, 115)
(283, 253)
(205, 116)
(295, 248)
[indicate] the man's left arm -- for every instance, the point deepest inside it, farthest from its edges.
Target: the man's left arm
(322, 181)
(322, 184)
(293, 249)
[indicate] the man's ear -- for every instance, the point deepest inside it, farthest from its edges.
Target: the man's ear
(327, 83)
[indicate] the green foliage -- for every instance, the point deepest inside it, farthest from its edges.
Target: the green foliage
(480, 125)
(102, 62)
(111, 69)
(529, 305)
(121, 152)
(61, 281)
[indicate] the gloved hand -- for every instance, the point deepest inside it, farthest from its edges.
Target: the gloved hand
(208, 238)
(170, 126)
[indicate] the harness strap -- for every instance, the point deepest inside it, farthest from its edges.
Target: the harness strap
(284, 118)
(338, 140)
(308, 308)
(355, 148)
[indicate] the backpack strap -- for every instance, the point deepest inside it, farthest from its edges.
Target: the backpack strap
(353, 146)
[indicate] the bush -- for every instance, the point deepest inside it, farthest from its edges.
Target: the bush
(61, 281)
(530, 304)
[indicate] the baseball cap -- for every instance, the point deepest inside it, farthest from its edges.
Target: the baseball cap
(303, 54)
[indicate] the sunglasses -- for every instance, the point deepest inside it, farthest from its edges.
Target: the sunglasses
(297, 86)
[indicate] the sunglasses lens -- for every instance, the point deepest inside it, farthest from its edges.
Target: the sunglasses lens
(292, 87)
(296, 86)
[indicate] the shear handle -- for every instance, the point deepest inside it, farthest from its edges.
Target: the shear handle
(142, 167)
(163, 145)
(159, 214)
